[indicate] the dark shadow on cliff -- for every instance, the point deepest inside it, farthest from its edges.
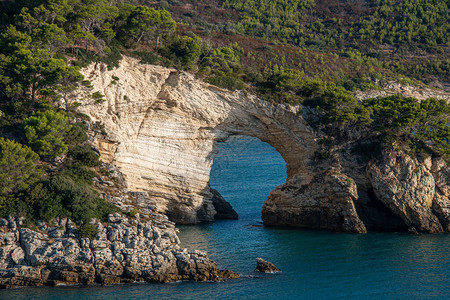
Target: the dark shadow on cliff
(375, 215)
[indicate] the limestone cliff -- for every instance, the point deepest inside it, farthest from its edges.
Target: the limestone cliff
(162, 127)
(393, 88)
(408, 188)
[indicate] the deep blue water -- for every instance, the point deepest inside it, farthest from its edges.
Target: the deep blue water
(315, 264)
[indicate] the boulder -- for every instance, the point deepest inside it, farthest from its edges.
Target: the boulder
(327, 202)
(265, 266)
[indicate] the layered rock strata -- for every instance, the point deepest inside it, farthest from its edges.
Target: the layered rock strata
(162, 127)
(393, 88)
(125, 250)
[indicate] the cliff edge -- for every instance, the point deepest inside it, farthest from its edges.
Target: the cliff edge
(161, 127)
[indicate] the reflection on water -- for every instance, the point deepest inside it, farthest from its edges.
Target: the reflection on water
(315, 264)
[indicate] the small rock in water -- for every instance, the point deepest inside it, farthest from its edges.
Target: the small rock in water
(255, 226)
(265, 266)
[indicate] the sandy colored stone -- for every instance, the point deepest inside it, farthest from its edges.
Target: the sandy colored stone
(163, 127)
(393, 88)
(327, 202)
(407, 187)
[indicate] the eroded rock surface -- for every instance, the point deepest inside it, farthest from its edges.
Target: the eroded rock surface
(126, 250)
(265, 266)
(327, 202)
(408, 188)
(162, 127)
(222, 207)
(393, 88)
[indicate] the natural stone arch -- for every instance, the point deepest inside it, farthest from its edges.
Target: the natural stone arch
(163, 126)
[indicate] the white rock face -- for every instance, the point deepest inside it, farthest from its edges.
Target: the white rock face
(393, 88)
(163, 125)
(128, 250)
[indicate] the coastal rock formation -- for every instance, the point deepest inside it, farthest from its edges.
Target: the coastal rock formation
(160, 127)
(265, 266)
(408, 188)
(327, 202)
(222, 207)
(441, 200)
(126, 250)
(163, 125)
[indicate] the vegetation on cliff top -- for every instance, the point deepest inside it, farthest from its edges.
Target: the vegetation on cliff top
(390, 34)
(46, 164)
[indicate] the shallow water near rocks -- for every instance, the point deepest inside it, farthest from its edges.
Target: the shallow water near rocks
(315, 264)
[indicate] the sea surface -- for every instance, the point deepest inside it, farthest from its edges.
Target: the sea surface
(315, 264)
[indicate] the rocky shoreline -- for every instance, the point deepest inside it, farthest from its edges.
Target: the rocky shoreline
(136, 245)
(394, 193)
(159, 140)
(125, 250)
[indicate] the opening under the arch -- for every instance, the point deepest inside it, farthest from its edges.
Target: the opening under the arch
(244, 172)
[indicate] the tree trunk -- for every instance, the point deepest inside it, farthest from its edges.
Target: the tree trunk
(140, 37)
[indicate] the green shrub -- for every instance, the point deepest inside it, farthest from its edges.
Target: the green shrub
(18, 168)
(46, 131)
(98, 97)
(132, 213)
(78, 173)
(113, 57)
(77, 134)
(78, 199)
(86, 156)
(150, 58)
(185, 50)
(228, 81)
(104, 208)
(50, 206)
(87, 231)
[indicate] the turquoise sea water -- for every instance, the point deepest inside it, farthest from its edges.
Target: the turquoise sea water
(315, 264)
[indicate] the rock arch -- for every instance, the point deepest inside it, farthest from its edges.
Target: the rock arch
(163, 126)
